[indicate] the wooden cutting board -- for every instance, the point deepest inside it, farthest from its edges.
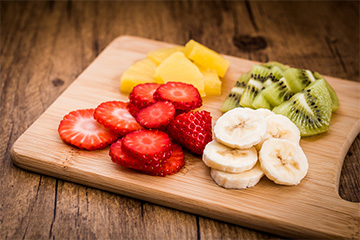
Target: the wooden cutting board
(311, 209)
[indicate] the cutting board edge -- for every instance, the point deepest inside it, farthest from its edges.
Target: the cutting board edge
(351, 138)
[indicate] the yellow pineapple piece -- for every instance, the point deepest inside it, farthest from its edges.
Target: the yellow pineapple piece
(189, 46)
(161, 54)
(212, 83)
(177, 68)
(206, 57)
(140, 72)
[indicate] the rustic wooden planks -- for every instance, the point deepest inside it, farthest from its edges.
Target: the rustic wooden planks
(311, 209)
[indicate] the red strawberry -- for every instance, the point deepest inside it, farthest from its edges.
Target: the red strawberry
(157, 115)
(115, 115)
(120, 157)
(184, 96)
(142, 94)
(147, 145)
(192, 130)
(172, 165)
(133, 110)
(79, 128)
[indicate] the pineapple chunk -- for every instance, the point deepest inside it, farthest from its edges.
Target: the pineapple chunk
(206, 57)
(140, 72)
(177, 68)
(212, 83)
(161, 54)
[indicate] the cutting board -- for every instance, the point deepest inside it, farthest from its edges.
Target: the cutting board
(311, 209)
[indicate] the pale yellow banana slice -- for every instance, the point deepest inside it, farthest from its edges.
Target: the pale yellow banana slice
(264, 112)
(221, 157)
(279, 126)
(241, 180)
(240, 128)
(283, 161)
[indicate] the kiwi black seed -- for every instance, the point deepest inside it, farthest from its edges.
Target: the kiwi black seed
(310, 113)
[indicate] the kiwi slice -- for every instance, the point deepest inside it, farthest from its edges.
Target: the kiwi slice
(300, 78)
(261, 102)
(275, 64)
(274, 76)
(233, 99)
(334, 97)
(258, 75)
(309, 109)
(293, 81)
(278, 92)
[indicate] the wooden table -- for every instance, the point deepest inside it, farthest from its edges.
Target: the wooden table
(46, 45)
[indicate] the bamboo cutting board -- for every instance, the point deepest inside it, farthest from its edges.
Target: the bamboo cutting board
(311, 209)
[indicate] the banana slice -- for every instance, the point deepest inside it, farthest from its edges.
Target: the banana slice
(283, 161)
(240, 128)
(264, 112)
(221, 157)
(241, 180)
(279, 126)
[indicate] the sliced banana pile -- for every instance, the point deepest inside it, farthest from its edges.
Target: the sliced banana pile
(251, 143)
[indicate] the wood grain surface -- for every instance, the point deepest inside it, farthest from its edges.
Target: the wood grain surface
(46, 45)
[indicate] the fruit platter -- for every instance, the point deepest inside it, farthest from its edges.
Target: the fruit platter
(311, 208)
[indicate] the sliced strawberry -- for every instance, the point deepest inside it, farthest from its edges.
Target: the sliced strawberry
(142, 95)
(133, 110)
(120, 157)
(156, 116)
(184, 96)
(192, 130)
(79, 128)
(172, 165)
(147, 145)
(115, 115)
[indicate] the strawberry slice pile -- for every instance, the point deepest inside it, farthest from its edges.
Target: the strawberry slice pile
(146, 133)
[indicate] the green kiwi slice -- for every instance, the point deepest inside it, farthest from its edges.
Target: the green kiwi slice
(275, 64)
(334, 97)
(260, 102)
(293, 81)
(278, 92)
(276, 73)
(300, 78)
(309, 109)
(258, 75)
(233, 99)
